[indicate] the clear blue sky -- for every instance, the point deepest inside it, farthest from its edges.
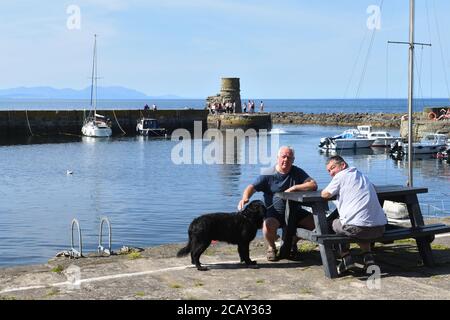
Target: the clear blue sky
(279, 49)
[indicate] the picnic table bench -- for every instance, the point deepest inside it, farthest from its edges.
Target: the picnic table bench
(423, 234)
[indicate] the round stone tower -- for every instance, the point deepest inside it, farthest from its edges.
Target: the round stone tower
(230, 91)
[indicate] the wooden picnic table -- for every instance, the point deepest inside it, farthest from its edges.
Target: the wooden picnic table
(324, 237)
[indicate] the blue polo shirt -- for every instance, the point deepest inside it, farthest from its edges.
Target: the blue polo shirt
(273, 182)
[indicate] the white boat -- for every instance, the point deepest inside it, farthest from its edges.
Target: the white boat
(430, 143)
(150, 127)
(95, 125)
(349, 139)
(382, 138)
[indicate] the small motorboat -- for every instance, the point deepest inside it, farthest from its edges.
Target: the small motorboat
(349, 139)
(382, 138)
(430, 143)
(150, 127)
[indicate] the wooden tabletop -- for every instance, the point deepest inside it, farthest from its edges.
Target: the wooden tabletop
(383, 191)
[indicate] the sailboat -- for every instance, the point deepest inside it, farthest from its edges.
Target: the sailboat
(95, 125)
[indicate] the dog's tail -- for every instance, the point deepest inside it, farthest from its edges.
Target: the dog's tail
(184, 251)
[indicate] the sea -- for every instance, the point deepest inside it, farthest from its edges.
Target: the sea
(150, 196)
(270, 105)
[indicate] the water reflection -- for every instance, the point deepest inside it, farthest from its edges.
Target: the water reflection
(38, 139)
(426, 166)
(148, 197)
(347, 152)
(93, 140)
(229, 171)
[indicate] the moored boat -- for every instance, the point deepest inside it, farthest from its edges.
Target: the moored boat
(382, 138)
(349, 139)
(430, 143)
(95, 125)
(150, 127)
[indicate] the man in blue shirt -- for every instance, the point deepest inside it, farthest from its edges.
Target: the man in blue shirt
(284, 177)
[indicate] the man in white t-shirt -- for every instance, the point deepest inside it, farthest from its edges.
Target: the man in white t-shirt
(360, 212)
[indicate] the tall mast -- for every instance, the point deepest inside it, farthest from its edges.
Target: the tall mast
(94, 77)
(411, 45)
(410, 91)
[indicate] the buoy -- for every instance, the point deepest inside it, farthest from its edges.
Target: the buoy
(432, 115)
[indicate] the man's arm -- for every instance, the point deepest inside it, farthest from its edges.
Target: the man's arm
(309, 185)
(248, 192)
(331, 190)
(325, 194)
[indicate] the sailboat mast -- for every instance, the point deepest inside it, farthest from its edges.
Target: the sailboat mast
(410, 91)
(94, 77)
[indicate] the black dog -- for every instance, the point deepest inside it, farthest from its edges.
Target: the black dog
(235, 228)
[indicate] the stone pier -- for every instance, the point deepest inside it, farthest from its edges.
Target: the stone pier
(422, 124)
(243, 121)
(19, 123)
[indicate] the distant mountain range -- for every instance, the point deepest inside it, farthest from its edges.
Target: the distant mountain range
(67, 93)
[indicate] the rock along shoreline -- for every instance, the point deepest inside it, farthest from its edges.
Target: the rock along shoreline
(383, 120)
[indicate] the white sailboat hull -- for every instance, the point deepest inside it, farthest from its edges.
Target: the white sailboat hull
(92, 129)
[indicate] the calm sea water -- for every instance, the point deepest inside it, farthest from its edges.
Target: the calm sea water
(271, 105)
(149, 199)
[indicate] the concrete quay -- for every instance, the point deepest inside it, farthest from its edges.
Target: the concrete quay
(157, 274)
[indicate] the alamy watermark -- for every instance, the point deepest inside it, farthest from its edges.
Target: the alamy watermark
(230, 146)
(73, 21)
(374, 280)
(73, 275)
(374, 20)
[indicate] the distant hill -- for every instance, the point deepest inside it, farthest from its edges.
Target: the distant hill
(116, 92)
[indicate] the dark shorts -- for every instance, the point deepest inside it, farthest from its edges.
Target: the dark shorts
(363, 233)
(300, 214)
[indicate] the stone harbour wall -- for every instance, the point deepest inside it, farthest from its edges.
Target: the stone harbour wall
(422, 125)
(53, 122)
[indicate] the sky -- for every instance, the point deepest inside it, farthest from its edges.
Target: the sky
(292, 49)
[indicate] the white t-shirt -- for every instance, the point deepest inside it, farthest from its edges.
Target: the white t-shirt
(357, 200)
